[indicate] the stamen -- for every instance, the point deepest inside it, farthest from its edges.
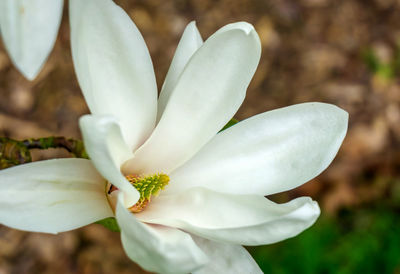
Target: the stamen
(147, 186)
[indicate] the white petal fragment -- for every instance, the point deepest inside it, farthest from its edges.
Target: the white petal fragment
(209, 91)
(113, 67)
(29, 29)
(190, 42)
(236, 219)
(226, 258)
(268, 153)
(52, 196)
(107, 150)
(157, 248)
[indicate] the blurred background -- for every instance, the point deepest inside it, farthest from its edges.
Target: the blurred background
(342, 52)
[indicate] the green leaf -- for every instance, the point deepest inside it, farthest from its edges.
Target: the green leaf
(380, 68)
(110, 223)
(370, 59)
(232, 122)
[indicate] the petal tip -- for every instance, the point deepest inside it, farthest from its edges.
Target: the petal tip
(341, 112)
(342, 118)
(192, 28)
(340, 115)
(30, 75)
(102, 120)
(192, 23)
(85, 121)
(247, 28)
(316, 208)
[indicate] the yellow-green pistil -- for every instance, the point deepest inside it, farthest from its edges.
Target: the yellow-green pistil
(147, 186)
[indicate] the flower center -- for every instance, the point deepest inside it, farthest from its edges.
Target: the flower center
(147, 186)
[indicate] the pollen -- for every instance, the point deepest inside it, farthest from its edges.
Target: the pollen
(148, 187)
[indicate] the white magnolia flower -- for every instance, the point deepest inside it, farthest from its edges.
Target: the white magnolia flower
(214, 201)
(29, 29)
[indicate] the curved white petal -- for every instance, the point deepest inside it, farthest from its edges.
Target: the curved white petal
(226, 258)
(107, 149)
(157, 248)
(209, 91)
(268, 153)
(236, 219)
(190, 42)
(52, 196)
(29, 29)
(113, 67)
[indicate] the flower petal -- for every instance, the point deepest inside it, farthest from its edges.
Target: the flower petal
(157, 248)
(190, 42)
(268, 153)
(209, 91)
(236, 219)
(52, 196)
(107, 149)
(226, 258)
(29, 29)
(113, 67)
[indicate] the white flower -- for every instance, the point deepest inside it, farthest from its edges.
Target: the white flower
(214, 202)
(29, 29)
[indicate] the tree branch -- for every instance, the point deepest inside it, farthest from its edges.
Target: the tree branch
(14, 152)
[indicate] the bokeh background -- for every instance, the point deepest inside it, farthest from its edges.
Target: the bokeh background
(342, 52)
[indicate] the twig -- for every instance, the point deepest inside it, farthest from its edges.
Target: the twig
(71, 145)
(14, 152)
